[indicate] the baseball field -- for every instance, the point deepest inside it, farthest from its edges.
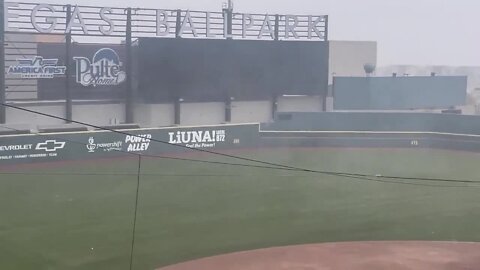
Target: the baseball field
(80, 215)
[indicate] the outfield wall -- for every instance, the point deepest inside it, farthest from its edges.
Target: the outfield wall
(367, 139)
(357, 130)
(371, 129)
(15, 149)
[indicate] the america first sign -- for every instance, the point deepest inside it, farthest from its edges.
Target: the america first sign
(106, 21)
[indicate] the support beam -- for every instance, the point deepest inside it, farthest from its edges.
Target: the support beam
(274, 105)
(178, 23)
(3, 111)
(277, 27)
(129, 80)
(68, 64)
(177, 110)
(228, 109)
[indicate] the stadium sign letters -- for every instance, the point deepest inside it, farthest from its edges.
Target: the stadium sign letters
(37, 68)
(138, 143)
(15, 147)
(44, 18)
(103, 69)
(197, 139)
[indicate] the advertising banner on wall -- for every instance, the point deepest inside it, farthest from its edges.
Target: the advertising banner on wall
(97, 72)
(105, 144)
(36, 67)
(31, 148)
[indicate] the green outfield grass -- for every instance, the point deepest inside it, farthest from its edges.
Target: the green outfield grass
(52, 216)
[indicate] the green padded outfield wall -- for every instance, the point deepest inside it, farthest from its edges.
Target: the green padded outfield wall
(33, 148)
(402, 130)
(17, 149)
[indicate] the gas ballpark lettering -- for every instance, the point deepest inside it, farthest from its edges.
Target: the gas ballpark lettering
(46, 18)
(138, 143)
(197, 139)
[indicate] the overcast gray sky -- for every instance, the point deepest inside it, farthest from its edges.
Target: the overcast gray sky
(420, 32)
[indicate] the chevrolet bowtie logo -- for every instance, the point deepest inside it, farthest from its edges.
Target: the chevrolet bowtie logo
(50, 146)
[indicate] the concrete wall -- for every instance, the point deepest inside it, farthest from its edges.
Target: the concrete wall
(251, 111)
(95, 114)
(154, 115)
(207, 113)
(160, 115)
(15, 116)
(469, 109)
(347, 58)
(147, 115)
(300, 104)
(99, 114)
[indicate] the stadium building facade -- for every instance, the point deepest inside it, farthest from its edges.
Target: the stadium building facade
(178, 67)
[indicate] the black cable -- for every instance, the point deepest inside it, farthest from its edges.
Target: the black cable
(166, 157)
(274, 166)
(219, 175)
(135, 211)
(204, 175)
(365, 177)
(152, 139)
(428, 179)
(407, 183)
(118, 174)
(163, 157)
(271, 165)
(232, 156)
(412, 178)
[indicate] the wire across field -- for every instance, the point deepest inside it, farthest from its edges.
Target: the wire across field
(80, 215)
